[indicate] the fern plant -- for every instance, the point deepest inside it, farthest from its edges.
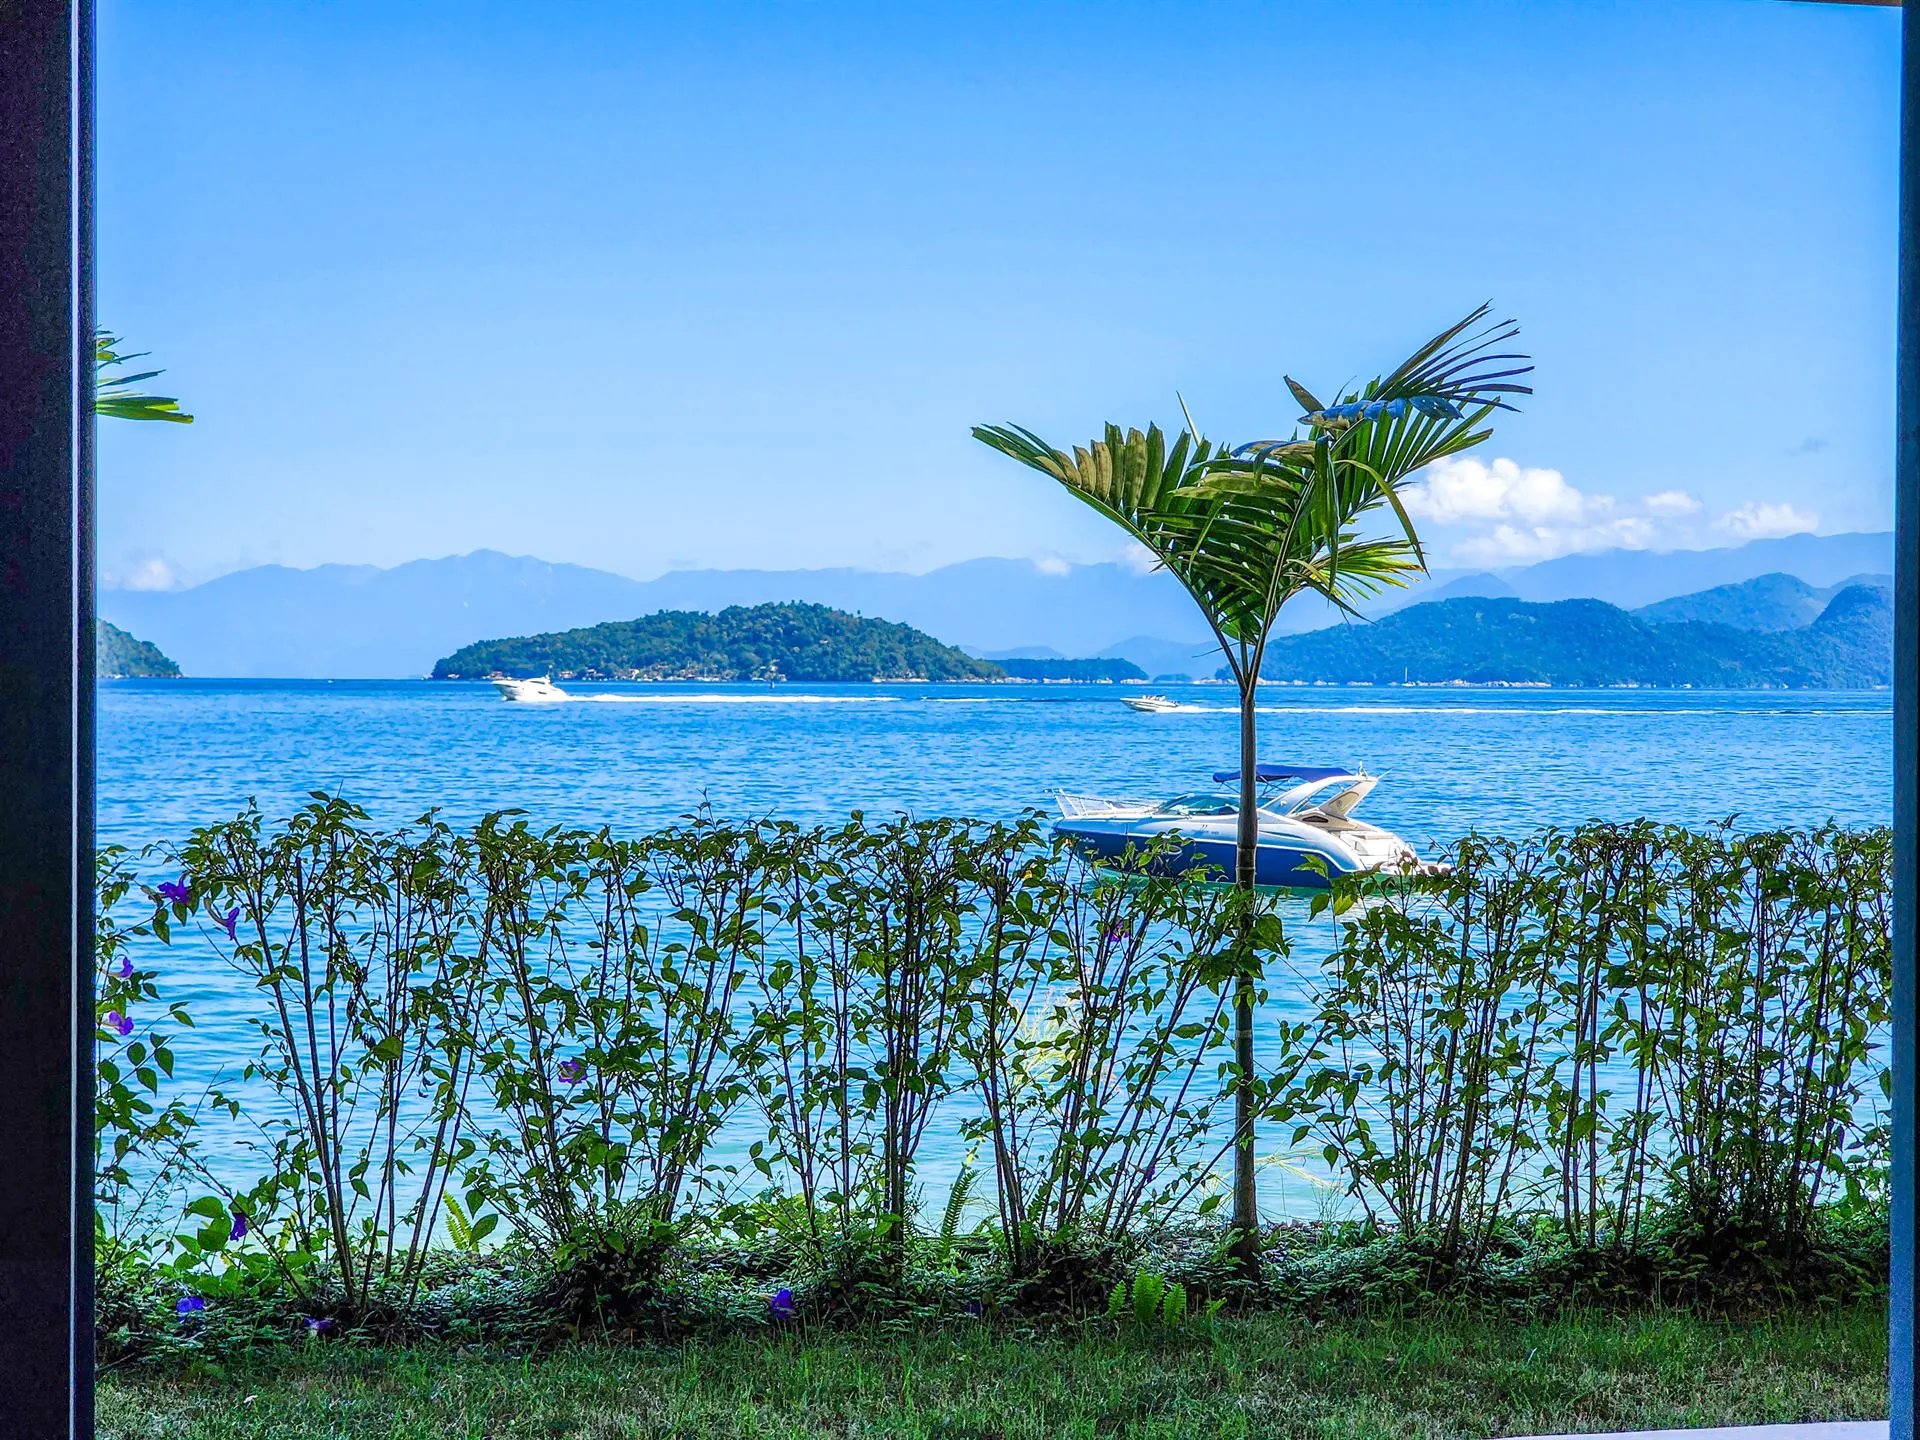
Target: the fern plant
(1152, 1304)
(466, 1232)
(951, 1217)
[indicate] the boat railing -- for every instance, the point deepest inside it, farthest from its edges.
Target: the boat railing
(1095, 807)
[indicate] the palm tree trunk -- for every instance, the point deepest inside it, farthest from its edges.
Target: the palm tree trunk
(1246, 1200)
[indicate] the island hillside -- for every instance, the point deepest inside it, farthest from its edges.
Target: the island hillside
(1766, 602)
(1590, 643)
(119, 656)
(743, 642)
(1085, 672)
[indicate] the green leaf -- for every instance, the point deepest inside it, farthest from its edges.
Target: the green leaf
(458, 1230)
(1148, 1290)
(387, 1049)
(114, 396)
(1173, 1305)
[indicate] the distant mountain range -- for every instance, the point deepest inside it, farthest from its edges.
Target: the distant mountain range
(1633, 578)
(359, 620)
(1767, 602)
(1499, 640)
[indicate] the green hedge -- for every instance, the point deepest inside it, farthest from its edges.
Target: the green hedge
(737, 1037)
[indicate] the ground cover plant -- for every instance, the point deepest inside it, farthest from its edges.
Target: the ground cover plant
(513, 1086)
(1434, 1375)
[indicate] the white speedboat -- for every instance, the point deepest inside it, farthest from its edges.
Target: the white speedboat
(1305, 818)
(1150, 704)
(541, 691)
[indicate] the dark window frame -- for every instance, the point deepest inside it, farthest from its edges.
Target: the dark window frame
(46, 718)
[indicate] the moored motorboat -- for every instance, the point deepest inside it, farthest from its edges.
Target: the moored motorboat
(540, 691)
(1307, 833)
(1150, 704)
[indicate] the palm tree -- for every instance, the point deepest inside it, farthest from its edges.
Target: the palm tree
(1246, 529)
(113, 395)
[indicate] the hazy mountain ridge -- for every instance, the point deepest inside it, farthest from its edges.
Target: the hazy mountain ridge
(1502, 640)
(360, 620)
(1633, 578)
(1767, 602)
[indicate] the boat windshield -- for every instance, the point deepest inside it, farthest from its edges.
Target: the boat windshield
(1324, 794)
(1200, 804)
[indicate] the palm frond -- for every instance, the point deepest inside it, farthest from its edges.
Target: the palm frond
(1303, 395)
(1458, 371)
(1366, 568)
(1245, 529)
(114, 395)
(1466, 370)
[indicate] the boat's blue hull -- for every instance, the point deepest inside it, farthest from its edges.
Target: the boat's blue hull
(1274, 864)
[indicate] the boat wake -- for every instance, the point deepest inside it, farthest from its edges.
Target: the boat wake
(733, 699)
(1506, 712)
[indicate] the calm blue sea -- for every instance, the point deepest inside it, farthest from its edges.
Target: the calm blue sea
(174, 754)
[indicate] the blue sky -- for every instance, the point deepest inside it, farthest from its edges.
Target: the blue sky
(646, 287)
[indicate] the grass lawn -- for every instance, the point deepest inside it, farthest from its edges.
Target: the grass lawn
(1264, 1376)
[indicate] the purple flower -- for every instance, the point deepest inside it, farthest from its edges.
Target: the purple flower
(175, 892)
(125, 968)
(1118, 936)
(781, 1305)
(189, 1305)
(232, 921)
(318, 1324)
(239, 1226)
(571, 1070)
(1150, 1171)
(119, 1024)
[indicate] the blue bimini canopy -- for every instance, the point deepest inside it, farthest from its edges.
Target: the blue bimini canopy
(1267, 773)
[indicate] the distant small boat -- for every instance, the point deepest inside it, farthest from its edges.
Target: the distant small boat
(530, 692)
(1307, 833)
(1150, 704)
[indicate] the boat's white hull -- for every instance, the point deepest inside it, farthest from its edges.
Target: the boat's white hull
(1293, 854)
(530, 692)
(1307, 835)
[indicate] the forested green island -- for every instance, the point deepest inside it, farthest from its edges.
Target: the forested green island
(1085, 672)
(813, 643)
(1590, 643)
(119, 656)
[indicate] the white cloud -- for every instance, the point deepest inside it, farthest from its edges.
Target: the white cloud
(1520, 544)
(1053, 565)
(1766, 520)
(1672, 502)
(1139, 559)
(1534, 513)
(1502, 513)
(152, 573)
(1455, 491)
